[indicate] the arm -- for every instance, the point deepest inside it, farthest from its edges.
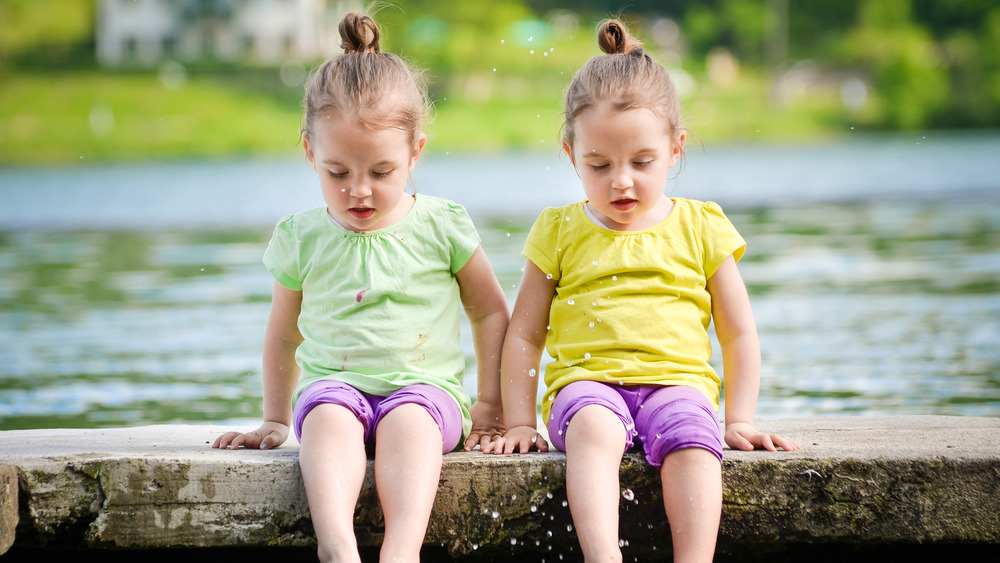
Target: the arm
(281, 373)
(737, 332)
(522, 352)
(486, 307)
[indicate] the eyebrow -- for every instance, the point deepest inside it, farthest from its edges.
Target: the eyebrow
(641, 152)
(381, 163)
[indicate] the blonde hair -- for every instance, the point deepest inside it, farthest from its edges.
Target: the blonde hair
(378, 88)
(625, 77)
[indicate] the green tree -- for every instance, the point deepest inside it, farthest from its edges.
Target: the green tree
(909, 76)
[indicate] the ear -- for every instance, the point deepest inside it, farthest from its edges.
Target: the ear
(308, 151)
(569, 152)
(418, 149)
(678, 148)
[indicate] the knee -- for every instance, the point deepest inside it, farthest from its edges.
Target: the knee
(597, 425)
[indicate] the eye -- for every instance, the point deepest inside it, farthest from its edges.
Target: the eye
(337, 175)
(378, 174)
(643, 163)
(598, 167)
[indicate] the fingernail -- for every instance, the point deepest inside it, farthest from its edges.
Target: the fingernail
(263, 446)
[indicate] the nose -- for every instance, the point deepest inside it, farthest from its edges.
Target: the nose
(622, 180)
(360, 189)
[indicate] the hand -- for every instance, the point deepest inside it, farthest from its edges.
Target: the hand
(519, 438)
(269, 435)
(743, 436)
(487, 425)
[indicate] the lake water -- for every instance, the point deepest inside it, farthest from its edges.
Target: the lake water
(134, 294)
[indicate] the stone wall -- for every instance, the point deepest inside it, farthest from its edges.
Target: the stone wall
(918, 481)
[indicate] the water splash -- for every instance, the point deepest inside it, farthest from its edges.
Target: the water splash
(628, 494)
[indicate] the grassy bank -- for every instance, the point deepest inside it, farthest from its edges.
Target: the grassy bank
(65, 117)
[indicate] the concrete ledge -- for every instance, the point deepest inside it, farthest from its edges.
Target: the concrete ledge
(856, 481)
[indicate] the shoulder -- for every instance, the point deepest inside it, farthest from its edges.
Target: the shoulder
(700, 211)
(440, 207)
(302, 219)
(555, 216)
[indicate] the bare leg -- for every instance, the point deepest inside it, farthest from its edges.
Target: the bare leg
(407, 470)
(692, 496)
(332, 461)
(595, 442)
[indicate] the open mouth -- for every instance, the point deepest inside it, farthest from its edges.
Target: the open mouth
(361, 212)
(624, 204)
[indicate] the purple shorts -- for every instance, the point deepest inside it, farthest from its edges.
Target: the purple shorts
(664, 419)
(370, 409)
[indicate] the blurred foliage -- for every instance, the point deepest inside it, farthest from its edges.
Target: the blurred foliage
(747, 70)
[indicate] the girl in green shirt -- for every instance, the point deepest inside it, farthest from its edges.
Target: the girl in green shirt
(362, 341)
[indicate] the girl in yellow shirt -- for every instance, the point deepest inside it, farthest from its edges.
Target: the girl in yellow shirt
(622, 288)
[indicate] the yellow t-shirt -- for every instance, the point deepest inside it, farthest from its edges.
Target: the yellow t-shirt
(632, 307)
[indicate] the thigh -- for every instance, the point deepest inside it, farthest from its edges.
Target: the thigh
(677, 417)
(573, 397)
(335, 393)
(438, 403)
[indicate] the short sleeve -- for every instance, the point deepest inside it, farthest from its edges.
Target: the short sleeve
(282, 255)
(541, 244)
(462, 234)
(720, 238)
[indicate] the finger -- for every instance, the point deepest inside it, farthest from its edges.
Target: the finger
(785, 443)
(218, 443)
(767, 443)
(499, 444)
(541, 444)
(738, 442)
(486, 444)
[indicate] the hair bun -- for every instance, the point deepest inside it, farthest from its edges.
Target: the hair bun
(614, 39)
(359, 34)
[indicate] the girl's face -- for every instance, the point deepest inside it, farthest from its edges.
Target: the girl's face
(362, 171)
(623, 158)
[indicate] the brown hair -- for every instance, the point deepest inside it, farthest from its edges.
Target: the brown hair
(626, 77)
(380, 89)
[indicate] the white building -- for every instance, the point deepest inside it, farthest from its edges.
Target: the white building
(270, 32)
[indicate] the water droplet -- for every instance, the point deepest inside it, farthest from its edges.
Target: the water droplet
(475, 546)
(571, 302)
(544, 54)
(591, 324)
(594, 262)
(531, 52)
(548, 495)
(513, 497)
(658, 435)
(587, 354)
(548, 533)
(508, 234)
(565, 504)
(549, 327)
(628, 494)
(567, 218)
(614, 278)
(531, 38)
(513, 541)
(494, 70)
(560, 433)
(532, 372)
(534, 508)
(501, 41)
(495, 514)
(598, 319)
(620, 382)
(569, 528)
(548, 276)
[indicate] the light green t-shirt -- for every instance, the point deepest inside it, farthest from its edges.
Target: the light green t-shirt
(632, 307)
(380, 310)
